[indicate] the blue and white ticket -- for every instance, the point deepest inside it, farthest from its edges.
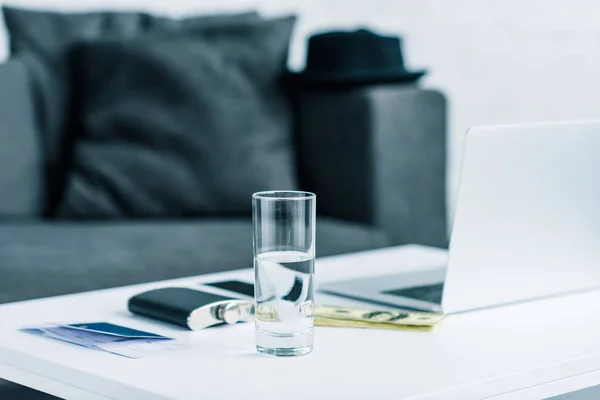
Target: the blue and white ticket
(109, 337)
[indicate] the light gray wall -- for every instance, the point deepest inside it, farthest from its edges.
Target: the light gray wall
(499, 61)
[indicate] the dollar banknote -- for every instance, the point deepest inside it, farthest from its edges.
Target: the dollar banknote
(344, 317)
(371, 325)
(380, 319)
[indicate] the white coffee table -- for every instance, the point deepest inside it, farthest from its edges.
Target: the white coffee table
(533, 350)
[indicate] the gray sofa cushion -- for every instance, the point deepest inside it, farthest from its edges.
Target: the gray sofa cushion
(176, 125)
(21, 161)
(42, 39)
(51, 258)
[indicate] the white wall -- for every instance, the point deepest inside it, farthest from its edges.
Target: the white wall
(498, 61)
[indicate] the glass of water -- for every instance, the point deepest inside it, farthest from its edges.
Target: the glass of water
(284, 254)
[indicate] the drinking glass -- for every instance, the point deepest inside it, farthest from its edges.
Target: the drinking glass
(284, 253)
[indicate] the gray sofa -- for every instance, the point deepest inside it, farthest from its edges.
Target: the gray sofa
(374, 156)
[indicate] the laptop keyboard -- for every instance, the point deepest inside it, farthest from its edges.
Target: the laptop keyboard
(430, 293)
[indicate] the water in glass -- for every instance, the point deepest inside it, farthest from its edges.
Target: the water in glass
(284, 302)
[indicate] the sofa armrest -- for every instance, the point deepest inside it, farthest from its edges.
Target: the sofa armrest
(378, 156)
(21, 161)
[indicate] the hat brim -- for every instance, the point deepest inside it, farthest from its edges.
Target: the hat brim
(355, 78)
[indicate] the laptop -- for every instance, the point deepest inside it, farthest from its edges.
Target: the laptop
(526, 224)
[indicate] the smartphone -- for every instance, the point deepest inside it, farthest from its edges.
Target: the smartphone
(243, 288)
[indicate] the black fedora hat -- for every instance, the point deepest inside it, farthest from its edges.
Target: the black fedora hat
(354, 58)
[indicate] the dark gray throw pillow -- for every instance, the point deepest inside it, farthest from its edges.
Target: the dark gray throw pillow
(43, 40)
(174, 125)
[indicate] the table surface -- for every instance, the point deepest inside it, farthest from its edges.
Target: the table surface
(531, 350)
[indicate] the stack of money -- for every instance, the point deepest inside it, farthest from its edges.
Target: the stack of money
(357, 318)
